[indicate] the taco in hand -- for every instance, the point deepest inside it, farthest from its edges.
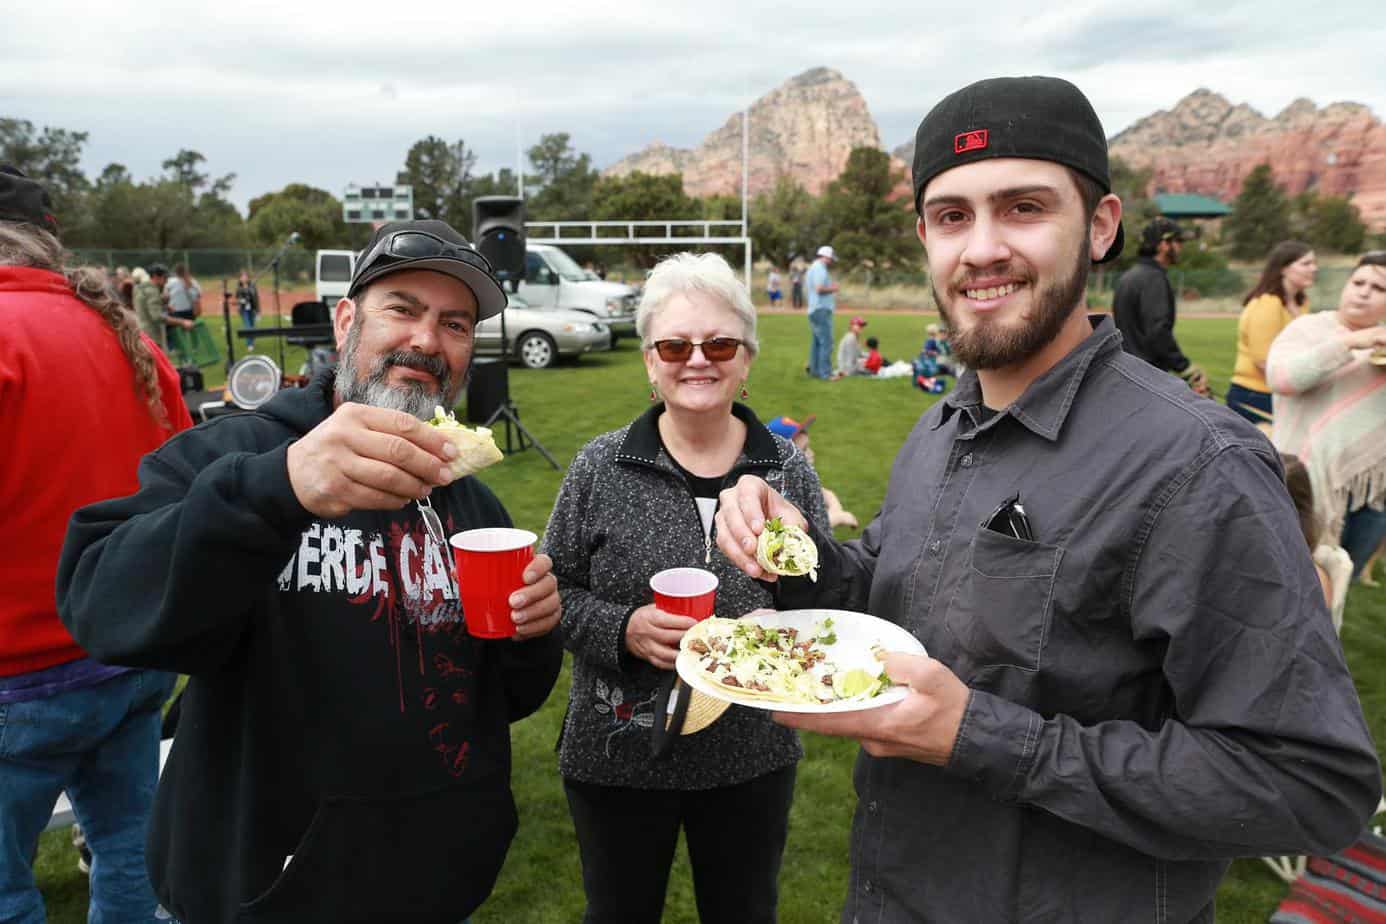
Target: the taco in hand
(476, 449)
(787, 550)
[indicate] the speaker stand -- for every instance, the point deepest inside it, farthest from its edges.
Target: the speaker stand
(517, 438)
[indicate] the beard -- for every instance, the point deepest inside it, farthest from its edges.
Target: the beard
(417, 399)
(993, 345)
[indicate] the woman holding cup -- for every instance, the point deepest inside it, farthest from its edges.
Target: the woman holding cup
(636, 502)
(1328, 372)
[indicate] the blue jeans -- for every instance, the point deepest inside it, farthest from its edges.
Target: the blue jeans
(100, 744)
(1240, 399)
(247, 323)
(821, 349)
(1363, 531)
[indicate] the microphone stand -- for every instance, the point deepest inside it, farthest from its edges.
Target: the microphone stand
(273, 266)
(226, 321)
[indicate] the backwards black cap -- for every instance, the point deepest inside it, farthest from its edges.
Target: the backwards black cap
(21, 199)
(1037, 118)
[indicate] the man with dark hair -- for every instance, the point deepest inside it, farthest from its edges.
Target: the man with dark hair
(1132, 676)
(343, 752)
(1143, 305)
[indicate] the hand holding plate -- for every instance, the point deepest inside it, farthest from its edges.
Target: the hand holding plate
(922, 727)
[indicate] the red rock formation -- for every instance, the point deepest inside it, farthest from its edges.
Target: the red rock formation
(806, 128)
(1206, 145)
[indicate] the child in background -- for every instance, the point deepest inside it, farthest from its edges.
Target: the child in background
(772, 288)
(937, 348)
(1330, 561)
(874, 361)
(797, 433)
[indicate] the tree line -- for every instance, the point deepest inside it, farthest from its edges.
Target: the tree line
(865, 213)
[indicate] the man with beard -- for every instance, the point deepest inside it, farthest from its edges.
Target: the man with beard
(343, 752)
(1143, 305)
(1132, 675)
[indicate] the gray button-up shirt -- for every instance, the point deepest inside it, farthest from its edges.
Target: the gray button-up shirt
(1156, 686)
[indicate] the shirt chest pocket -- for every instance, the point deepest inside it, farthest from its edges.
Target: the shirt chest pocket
(1000, 614)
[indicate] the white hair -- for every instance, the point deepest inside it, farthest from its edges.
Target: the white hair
(139, 275)
(707, 273)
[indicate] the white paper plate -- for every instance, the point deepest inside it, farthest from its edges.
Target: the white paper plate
(857, 634)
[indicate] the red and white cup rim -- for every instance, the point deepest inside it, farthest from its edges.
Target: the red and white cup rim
(493, 539)
(684, 582)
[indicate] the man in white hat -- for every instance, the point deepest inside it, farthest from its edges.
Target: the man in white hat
(822, 301)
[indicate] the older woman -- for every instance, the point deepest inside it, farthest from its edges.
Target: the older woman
(1277, 299)
(1330, 407)
(636, 501)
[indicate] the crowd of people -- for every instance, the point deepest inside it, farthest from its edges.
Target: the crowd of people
(1133, 672)
(1325, 405)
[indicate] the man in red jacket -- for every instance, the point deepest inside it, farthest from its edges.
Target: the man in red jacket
(85, 396)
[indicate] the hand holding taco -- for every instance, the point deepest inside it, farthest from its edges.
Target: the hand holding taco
(476, 449)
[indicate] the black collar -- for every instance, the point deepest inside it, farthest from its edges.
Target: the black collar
(642, 443)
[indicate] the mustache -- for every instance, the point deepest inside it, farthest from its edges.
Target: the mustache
(967, 280)
(433, 365)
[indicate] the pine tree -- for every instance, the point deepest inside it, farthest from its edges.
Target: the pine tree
(1260, 216)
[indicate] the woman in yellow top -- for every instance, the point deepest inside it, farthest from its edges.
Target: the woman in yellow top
(1277, 299)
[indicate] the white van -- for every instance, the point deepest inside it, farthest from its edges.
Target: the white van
(334, 275)
(554, 280)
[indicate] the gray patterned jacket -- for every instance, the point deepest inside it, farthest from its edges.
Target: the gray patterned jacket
(624, 513)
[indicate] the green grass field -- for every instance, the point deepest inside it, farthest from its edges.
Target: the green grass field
(860, 425)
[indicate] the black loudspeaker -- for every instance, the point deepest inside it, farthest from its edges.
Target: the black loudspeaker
(498, 225)
(488, 389)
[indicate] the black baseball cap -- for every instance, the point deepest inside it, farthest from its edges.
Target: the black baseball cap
(1162, 229)
(429, 245)
(1037, 118)
(22, 199)
(157, 269)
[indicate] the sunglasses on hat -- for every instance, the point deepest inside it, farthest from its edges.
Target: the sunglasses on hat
(414, 245)
(678, 350)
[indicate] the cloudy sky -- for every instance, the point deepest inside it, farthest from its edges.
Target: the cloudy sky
(331, 93)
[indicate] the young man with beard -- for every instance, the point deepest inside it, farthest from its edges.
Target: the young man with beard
(1143, 305)
(1132, 675)
(343, 752)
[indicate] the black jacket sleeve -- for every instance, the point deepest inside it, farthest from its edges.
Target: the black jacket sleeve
(1147, 312)
(531, 669)
(169, 577)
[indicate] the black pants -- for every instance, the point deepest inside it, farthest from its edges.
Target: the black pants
(735, 837)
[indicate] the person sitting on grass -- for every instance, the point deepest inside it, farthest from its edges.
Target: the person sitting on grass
(849, 355)
(874, 360)
(797, 433)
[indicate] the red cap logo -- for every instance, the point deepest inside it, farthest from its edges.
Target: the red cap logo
(970, 141)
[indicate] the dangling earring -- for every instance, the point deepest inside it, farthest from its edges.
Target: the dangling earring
(654, 396)
(744, 393)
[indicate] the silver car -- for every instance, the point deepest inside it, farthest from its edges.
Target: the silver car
(539, 336)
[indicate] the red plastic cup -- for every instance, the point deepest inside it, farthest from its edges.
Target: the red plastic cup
(685, 591)
(490, 567)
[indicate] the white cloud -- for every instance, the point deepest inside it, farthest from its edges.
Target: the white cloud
(328, 93)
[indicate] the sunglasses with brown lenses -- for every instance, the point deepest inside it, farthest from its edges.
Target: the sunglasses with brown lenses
(678, 350)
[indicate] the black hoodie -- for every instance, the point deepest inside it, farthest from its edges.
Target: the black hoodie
(343, 752)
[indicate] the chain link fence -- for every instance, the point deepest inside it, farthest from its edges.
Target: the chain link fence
(296, 266)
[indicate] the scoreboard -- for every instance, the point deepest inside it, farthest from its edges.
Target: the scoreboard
(366, 204)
